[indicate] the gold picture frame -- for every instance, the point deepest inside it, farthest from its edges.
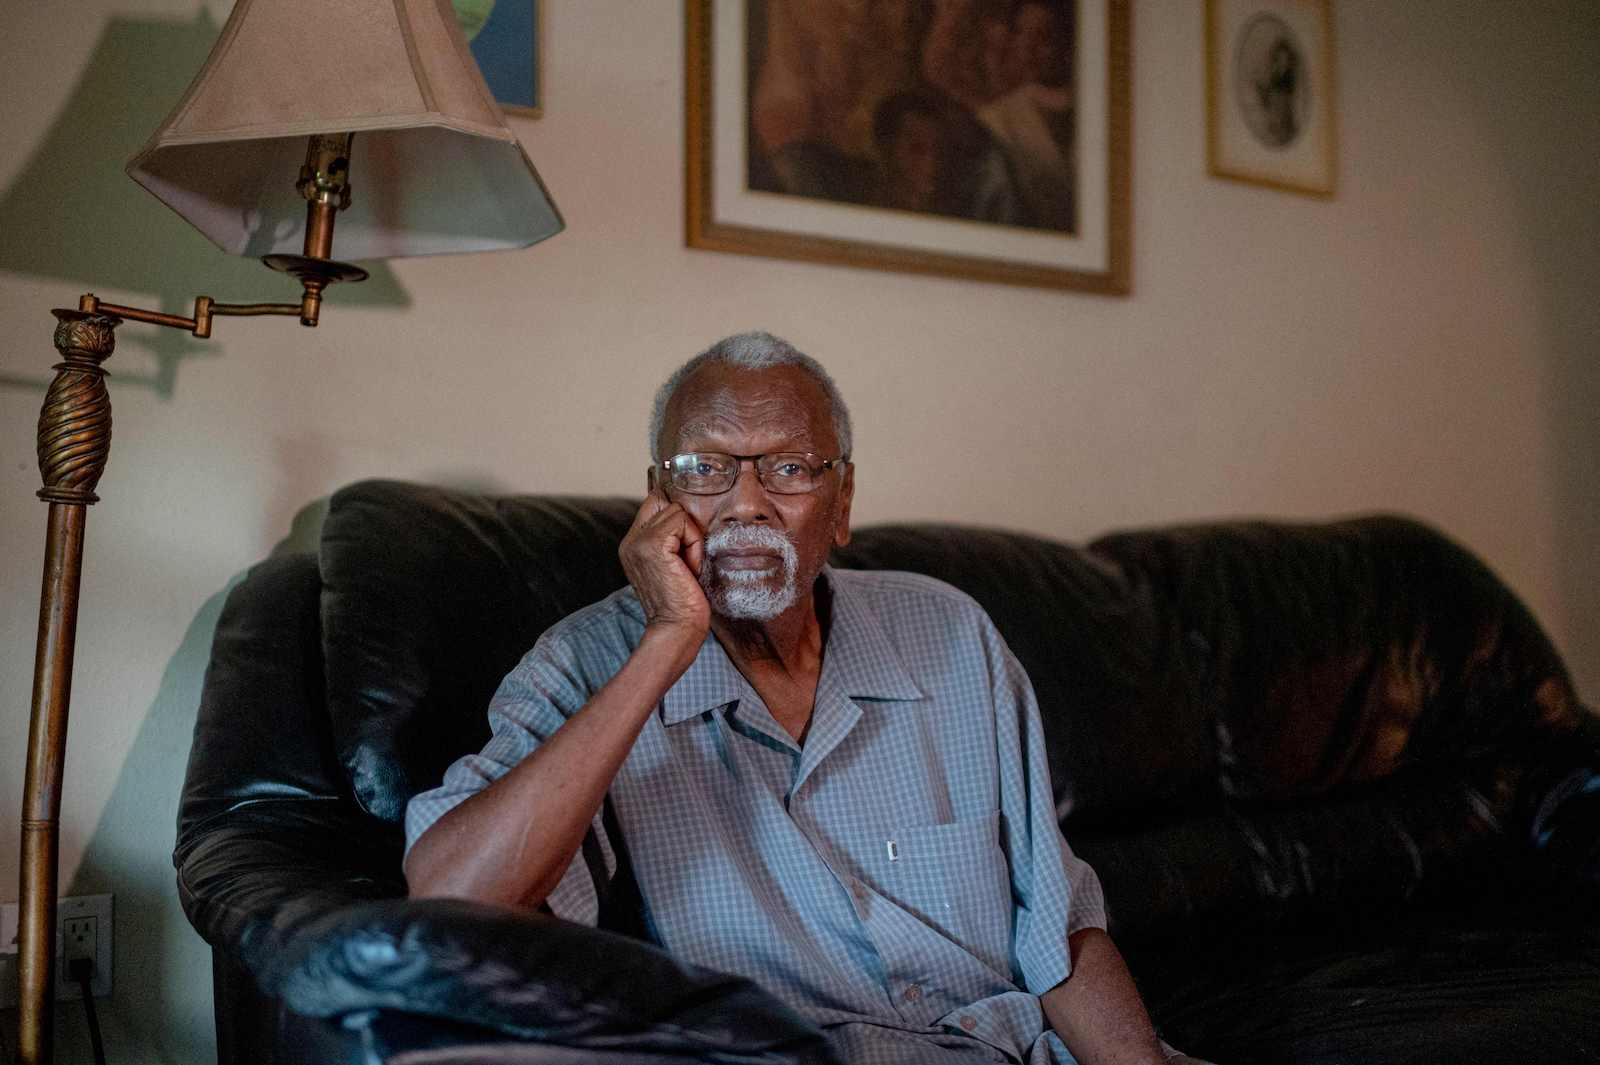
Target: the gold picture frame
(1272, 94)
(728, 208)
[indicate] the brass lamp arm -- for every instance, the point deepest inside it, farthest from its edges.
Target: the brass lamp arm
(314, 273)
(205, 308)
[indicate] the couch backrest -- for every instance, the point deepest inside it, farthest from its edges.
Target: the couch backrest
(429, 598)
(1214, 675)
(1328, 655)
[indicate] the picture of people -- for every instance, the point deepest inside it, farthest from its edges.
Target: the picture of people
(983, 139)
(958, 108)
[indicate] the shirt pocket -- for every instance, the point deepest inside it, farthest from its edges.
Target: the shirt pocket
(953, 877)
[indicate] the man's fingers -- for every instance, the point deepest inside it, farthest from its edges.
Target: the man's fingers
(689, 540)
(643, 522)
(665, 527)
(654, 503)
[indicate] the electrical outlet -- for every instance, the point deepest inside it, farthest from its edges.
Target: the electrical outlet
(78, 935)
(83, 930)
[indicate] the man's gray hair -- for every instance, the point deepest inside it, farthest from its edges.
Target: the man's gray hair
(753, 351)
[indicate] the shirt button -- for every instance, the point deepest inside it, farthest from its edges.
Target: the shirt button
(968, 1024)
(913, 993)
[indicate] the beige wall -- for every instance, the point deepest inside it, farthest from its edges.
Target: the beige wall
(1425, 343)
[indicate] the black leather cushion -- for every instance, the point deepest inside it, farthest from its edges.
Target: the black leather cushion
(537, 978)
(1467, 997)
(430, 596)
(1339, 653)
(1389, 719)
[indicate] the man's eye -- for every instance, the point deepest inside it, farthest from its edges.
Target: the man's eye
(701, 466)
(789, 469)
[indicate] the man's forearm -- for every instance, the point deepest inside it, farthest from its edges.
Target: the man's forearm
(512, 842)
(1097, 1011)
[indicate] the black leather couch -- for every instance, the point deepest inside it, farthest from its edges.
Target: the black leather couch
(1336, 782)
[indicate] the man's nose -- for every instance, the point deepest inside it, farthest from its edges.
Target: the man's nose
(748, 500)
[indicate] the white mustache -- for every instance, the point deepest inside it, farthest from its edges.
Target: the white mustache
(736, 537)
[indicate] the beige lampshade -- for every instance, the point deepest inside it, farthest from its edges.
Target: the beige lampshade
(433, 167)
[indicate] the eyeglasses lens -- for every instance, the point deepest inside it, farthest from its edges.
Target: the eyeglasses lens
(712, 473)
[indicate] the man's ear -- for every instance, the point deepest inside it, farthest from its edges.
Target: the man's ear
(847, 495)
(650, 479)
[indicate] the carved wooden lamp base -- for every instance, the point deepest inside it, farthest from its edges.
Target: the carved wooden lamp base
(74, 441)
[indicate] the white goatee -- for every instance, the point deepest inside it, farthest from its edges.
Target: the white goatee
(747, 595)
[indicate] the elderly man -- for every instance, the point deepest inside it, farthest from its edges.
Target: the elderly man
(831, 782)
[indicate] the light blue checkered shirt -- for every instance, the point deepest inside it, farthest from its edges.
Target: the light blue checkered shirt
(900, 879)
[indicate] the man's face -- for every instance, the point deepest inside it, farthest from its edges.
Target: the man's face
(759, 412)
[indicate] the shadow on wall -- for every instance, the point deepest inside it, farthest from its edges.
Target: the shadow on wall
(73, 213)
(162, 969)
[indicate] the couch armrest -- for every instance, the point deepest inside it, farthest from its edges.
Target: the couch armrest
(530, 977)
(250, 878)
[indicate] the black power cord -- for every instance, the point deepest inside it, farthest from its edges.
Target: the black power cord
(82, 972)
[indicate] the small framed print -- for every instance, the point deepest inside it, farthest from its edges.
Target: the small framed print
(1270, 93)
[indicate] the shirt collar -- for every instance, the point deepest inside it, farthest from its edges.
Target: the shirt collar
(711, 681)
(859, 661)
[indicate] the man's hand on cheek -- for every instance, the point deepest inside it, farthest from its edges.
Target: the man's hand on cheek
(662, 555)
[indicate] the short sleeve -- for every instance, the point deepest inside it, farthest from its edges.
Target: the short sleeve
(551, 683)
(1055, 892)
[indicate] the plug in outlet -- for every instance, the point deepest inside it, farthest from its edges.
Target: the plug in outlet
(83, 930)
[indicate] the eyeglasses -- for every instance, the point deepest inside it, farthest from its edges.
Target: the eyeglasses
(710, 473)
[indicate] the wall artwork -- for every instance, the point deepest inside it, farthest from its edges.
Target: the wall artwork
(983, 139)
(504, 37)
(1270, 93)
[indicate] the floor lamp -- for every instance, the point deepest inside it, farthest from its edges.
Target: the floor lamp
(370, 113)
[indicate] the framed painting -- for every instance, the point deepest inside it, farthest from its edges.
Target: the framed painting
(504, 36)
(1270, 93)
(983, 139)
